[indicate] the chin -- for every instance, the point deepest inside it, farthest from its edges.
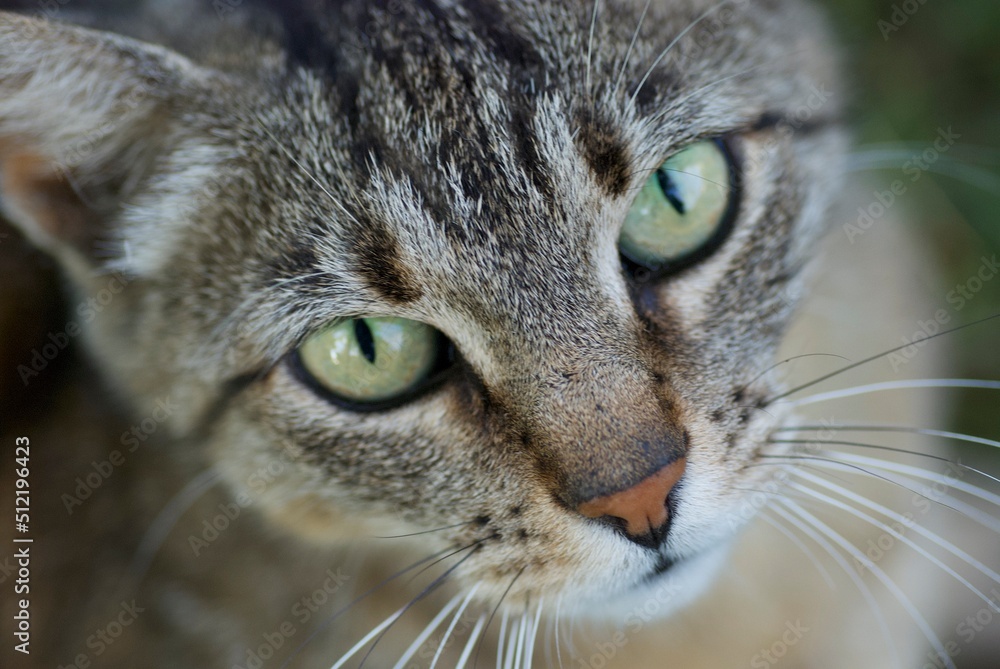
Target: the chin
(668, 589)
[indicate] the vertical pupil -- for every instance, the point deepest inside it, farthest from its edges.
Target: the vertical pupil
(365, 340)
(669, 188)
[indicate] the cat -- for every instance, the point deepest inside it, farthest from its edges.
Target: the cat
(421, 328)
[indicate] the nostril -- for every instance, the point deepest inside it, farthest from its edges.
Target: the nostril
(642, 509)
(652, 539)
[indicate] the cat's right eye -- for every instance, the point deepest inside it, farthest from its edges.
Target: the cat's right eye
(370, 362)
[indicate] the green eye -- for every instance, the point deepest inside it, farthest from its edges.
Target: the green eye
(371, 360)
(681, 207)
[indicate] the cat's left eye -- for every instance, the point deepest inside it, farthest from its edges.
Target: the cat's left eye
(681, 209)
(370, 362)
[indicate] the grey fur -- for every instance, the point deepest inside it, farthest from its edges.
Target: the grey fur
(450, 165)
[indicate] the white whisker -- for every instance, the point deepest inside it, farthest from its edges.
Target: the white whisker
(368, 637)
(284, 149)
(826, 460)
(547, 646)
(894, 385)
(502, 638)
(511, 648)
(590, 40)
(893, 429)
(917, 472)
(947, 501)
(889, 513)
(422, 637)
(165, 521)
(970, 174)
(851, 573)
(889, 584)
(909, 542)
(717, 184)
(876, 571)
(628, 53)
(293, 279)
(676, 104)
(890, 449)
(454, 621)
(903, 151)
(471, 643)
(521, 641)
(801, 546)
(672, 44)
(558, 621)
(883, 427)
(530, 653)
(570, 629)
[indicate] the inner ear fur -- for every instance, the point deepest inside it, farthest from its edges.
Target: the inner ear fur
(38, 195)
(83, 117)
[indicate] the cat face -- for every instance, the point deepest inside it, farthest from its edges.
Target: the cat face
(472, 172)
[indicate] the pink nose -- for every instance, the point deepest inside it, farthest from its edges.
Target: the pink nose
(643, 507)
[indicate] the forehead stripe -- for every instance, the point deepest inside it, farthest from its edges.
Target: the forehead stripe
(378, 260)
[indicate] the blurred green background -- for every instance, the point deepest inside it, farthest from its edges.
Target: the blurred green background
(918, 66)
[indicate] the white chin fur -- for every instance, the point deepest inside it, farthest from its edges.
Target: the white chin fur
(662, 596)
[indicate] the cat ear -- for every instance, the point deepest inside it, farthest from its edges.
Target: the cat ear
(83, 117)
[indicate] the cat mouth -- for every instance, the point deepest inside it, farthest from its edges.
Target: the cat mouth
(663, 565)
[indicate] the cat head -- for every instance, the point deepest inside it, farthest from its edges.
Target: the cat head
(401, 268)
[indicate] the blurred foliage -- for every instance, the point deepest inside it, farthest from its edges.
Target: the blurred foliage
(939, 68)
(933, 64)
